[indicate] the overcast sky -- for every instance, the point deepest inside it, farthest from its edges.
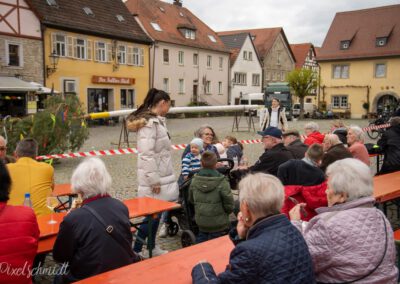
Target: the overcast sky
(302, 21)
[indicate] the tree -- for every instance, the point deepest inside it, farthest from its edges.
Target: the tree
(303, 83)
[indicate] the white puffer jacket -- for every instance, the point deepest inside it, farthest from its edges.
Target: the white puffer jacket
(154, 159)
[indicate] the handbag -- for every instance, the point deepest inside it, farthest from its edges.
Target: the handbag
(112, 232)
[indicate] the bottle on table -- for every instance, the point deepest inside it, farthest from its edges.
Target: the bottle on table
(27, 200)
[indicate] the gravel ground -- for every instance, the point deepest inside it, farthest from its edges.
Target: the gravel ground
(123, 168)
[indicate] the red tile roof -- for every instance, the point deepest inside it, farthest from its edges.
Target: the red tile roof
(300, 52)
(170, 17)
(263, 38)
(362, 27)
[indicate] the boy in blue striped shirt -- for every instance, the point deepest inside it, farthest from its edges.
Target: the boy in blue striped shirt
(191, 162)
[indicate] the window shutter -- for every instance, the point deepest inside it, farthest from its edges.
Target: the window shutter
(70, 46)
(53, 43)
(109, 53)
(129, 57)
(89, 50)
(96, 51)
(75, 47)
(141, 57)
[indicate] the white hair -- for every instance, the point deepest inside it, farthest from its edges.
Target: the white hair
(3, 140)
(358, 132)
(312, 126)
(263, 194)
(333, 139)
(91, 178)
(350, 176)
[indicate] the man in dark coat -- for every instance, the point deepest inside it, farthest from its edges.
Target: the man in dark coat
(334, 150)
(291, 139)
(390, 145)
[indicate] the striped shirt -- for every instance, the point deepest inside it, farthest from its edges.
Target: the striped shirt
(190, 163)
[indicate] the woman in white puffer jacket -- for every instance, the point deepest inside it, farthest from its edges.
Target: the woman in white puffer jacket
(156, 176)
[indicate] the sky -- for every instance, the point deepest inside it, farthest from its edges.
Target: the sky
(302, 21)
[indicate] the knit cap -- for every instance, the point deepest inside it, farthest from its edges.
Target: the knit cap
(198, 142)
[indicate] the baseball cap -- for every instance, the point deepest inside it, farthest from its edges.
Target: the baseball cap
(271, 131)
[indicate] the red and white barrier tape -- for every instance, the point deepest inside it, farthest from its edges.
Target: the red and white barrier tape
(135, 151)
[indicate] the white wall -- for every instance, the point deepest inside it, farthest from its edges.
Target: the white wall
(190, 73)
(248, 67)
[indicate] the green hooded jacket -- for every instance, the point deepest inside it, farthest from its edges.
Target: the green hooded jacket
(213, 200)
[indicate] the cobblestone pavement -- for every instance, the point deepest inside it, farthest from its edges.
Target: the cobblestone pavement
(123, 168)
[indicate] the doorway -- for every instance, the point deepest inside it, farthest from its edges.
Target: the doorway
(195, 94)
(99, 100)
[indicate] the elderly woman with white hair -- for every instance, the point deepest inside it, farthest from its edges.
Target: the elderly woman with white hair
(96, 237)
(350, 240)
(269, 249)
(355, 139)
(313, 135)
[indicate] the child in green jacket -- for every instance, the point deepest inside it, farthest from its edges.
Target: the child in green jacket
(212, 198)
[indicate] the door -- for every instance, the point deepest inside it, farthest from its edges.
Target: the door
(98, 100)
(195, 99)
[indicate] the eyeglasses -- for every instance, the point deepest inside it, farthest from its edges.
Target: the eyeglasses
(208, 134)
(3, 148)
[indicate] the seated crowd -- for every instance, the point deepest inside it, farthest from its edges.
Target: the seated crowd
(306, 206)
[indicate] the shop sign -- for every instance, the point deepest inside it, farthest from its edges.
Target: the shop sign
(113, 80)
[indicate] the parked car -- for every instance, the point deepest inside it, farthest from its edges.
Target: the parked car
(309, 109)
(252, 99)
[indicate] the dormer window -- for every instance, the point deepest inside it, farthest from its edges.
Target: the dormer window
(51, 2)
(189, 34)
(381, 41)
(212, 38)
(156, 27)
(120, 18)
(344, 44)
(253, 37)
(88, 11)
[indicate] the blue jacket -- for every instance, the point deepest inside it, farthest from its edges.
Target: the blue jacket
(274, 252)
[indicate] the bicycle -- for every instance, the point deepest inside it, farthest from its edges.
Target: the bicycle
(377, 133)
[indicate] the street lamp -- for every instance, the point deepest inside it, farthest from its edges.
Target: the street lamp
(54, 61)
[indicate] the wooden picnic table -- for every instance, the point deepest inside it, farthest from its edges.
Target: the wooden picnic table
(174, 267)
(387, 187)
(138, 207)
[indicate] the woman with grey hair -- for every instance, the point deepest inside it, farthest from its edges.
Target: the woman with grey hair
(96, 237)
(355, 140)
(207, 134)
(268, 249)
(350, 240)
(312, 133)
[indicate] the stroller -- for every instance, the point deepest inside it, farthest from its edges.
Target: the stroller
(185, 214)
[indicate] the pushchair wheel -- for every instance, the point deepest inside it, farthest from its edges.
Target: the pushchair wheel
(172, 229)
(188, 238)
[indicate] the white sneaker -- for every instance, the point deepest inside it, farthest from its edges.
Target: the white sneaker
(163, 231)
(158, 251)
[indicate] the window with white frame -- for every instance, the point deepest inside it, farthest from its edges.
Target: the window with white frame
(181, 86)
(208, 87)
(221, 63)
(189, 34)
(340, 71)
(195, 59)
(122, 54)
(101, 51)
(166, 85)
(59, 43)
(380, 70)
(14, 54)
(283, 76)
(135, 56)
(156, 27)
(80, 48)
(255, 80)
(127, 98)
(212, 38)
(220, 88)
(181, 57)
(209, 61)
(240, 78)
(250, 56)
(141, 56)
(340, 101)
(69, 86)
(166, 56)
(245, 55)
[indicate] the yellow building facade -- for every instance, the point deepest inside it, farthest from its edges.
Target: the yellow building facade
(347, 85)
(107, 74)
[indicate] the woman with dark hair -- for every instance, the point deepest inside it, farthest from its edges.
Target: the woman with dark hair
(155, 171)
(274, 116)
(18, 245)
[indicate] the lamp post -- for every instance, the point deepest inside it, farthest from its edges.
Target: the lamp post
(54, 57)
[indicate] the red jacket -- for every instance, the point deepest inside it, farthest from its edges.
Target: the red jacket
(315, 137)
(314, 196)
(19, 234)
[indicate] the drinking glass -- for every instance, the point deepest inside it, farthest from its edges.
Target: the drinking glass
(51, 203)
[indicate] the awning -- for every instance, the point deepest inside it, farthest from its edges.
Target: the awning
(13, 84)
(42, 89)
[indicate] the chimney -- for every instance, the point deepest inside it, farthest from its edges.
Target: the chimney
(178, 3)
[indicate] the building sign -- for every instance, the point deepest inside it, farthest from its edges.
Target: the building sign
(113, 80)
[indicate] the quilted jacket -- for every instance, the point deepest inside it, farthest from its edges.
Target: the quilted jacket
(315, 137)
(154, 159)
(273, 252)
(314, 196)
(347, 241)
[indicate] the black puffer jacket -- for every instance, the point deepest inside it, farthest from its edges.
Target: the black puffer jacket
(298, 149)
(390, 145)
(274, 252)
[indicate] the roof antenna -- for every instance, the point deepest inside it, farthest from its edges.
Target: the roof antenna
(178, 3)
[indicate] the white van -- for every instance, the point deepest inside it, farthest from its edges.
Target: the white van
(309, 109)
(252, 99)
